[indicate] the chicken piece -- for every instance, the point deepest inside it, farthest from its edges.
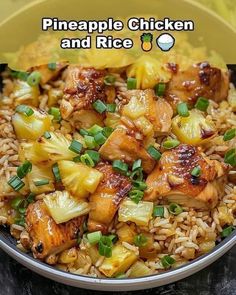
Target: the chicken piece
(198, 80)
(106, 199)
(121, 146)
(83, 86)
(157, 111)
(172, 178)
(46, 236)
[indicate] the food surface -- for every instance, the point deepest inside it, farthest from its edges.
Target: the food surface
(114, 172)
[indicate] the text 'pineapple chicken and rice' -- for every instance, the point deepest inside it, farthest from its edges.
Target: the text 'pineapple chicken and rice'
(120, 172)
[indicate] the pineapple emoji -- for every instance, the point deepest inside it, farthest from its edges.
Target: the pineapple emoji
(146, 41)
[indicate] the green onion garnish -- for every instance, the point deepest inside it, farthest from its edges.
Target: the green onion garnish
(137, 164)
(175, 209)
(55, 112)
(196, 172)
(111, 108)
(109, 80)
(100, 138)
(22, 210)
(83, 132)
(230, 157)
(105, 246)
(76, 159)
(136, 195)
(131, 83)
(16, 183)
(229, 134)
(137, 175)
(167, 261)
(24, 109)
(140, 240)
(227, 231)
(75, 146)
(31, 198)
(94, 237)
(86, 159)
(15, 203)
(56, 172)
(139, 185)
(154, 153)
(47, 135)
(20, 75)
(160, 89)
(158, 211)
(182, 109)
(41, 182)
(95, 156)
(170, 143)
(52, 66)
(20, 221)
(120, 166)
(94, 129)
(24, 169)
(202, 104)
(99, 106)
(34, 78)
(90, 141)
(107, 131)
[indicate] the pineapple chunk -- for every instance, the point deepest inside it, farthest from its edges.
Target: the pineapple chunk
(38, 173)
(31, 127)
(79, 179)
(135, 108)
(144, 125)
(119, 262)
(68, 256)
(112, 120)
(63, 207)
(194, 129)
(139, 213)
(224, 216)
(126, 233)
(23, 93)
(139, 269)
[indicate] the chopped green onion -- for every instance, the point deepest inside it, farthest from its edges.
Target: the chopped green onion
(137, 175)
(99, 106)
(175, 209)
(24, 109)
(90, 141)
(229, 134)
(94, 129)
(47, 135)
(140, 185)
(86, 159)
(137, 164)
(196, 172)
(56, 172)
(94, 155)
(140, 240)
(20, 221)
(158, 211)
(154, 153)
(107, 131)
(230, 157)
(41, 182)
(227, 231)
(136, 195)
(167, 261)
(83, 132)
(75, 146)
(76, 159)
(100, 138)
(20, 75)
(109, 80)
(31, 198)
(182, 109)
(170, 143)
(105, 246)
(94, 237)
(52, 66)
(16, 183)
(202, 104)
(24, 169)
(34, 78)
(15, 203)
(22, 210)
(120, 166)
(111, 108)
(131, 83)
(113, 238)
(55, 112)
(160, 89)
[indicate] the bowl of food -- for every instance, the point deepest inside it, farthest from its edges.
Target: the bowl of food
(118, 178)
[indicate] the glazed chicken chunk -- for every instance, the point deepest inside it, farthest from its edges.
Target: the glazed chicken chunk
(105, 201)
(198, 80)
(46, 236)
(172, 178)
